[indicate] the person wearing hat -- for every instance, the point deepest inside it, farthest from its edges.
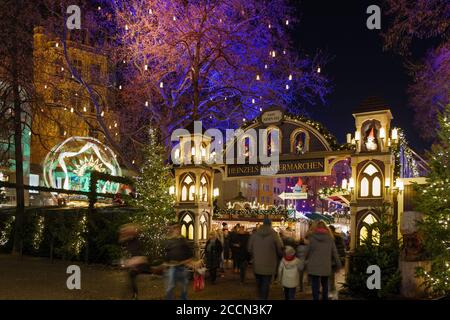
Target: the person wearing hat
(289, 272)
(265, 248)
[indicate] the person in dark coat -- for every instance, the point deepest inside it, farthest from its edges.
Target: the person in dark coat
(226, 246)
(136, 263)
(265, 247)
(178, 255)
(320, 255)
(242, 253)
(234, 245)
(213, 253)
(301, 252)
(340, 247)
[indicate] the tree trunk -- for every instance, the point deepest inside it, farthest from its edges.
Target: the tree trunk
(20, 192)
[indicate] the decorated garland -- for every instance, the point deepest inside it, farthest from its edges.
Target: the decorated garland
(331, 139)
(402, 149)
(328, 191)
(282, 213)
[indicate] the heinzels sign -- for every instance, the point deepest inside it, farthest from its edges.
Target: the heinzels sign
(297, 166)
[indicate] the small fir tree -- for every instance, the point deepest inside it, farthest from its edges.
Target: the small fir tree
(153, 198)
(434, 202)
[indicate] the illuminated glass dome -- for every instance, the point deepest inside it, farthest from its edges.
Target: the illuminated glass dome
(70, 163)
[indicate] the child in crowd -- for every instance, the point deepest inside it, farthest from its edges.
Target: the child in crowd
(289, 272)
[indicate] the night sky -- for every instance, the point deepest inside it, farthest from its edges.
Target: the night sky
(359, 67)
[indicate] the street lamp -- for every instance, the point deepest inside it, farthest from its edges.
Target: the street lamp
(344, 183)
(172, 190)
(399, 185)
(215, 192)
(394, 135)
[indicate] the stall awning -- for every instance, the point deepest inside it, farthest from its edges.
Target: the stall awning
(317, 216)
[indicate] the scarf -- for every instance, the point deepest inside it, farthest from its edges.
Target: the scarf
(289, 258)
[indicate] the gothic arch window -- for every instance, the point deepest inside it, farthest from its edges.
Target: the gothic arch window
(204, 188)
(366, 231)
(203, 229)
(188, 188)
(273, 141)
(187, 226)
(299, 141)
(370, 182)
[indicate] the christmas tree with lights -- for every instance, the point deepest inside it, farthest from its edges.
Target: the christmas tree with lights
(153, 198)
(434, 202)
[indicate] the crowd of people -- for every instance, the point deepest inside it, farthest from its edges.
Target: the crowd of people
(274, 257)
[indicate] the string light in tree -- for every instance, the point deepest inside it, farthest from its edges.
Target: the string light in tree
(287, 87)
(290, 77)
(145, 67)
(318, 69)
(102, 114)
(146, 103)
(257, 77)
(161, 84)
(84, 109)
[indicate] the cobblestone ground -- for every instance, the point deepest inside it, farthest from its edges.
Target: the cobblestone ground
(37, 278)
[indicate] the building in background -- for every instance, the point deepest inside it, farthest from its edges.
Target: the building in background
(66, 109)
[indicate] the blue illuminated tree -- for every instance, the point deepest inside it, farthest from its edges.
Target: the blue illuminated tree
(216, 61)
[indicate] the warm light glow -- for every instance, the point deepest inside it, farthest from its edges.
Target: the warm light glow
(394, 134)
(357, 136)
(387, 182)
(399, 185)
(146, 103)
(318, 70)
(257, 77)
(290, 77)
(349, 138)
(145, 67)
(287, 87)
(193, 151)
(216, 192)
(382, 133)
(161, 84)
(364, 187)
(351, 183)
(172, 190)
(344, 183)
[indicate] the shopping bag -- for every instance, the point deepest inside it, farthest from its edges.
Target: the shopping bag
(199, 282)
